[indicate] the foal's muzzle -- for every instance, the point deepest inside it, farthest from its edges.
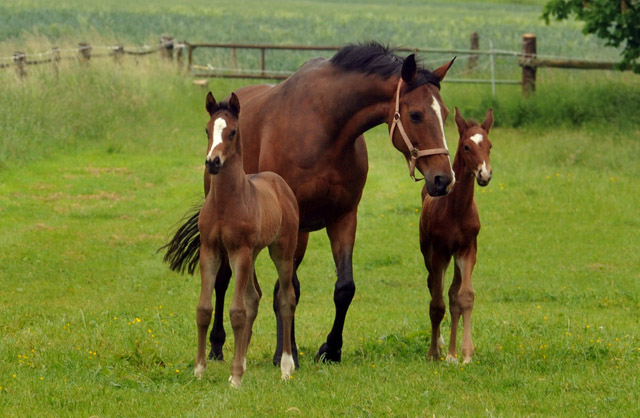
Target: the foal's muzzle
(483, 180)
(213, 165)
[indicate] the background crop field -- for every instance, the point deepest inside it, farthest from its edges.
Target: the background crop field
(99, 163)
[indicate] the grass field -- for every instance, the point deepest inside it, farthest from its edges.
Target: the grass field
(97, 165)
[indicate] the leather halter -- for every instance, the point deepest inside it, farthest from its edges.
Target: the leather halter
(413, 151)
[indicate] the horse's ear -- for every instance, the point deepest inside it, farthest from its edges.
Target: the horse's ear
(488, 120)
(462, 124)
(409, 68)
(211, 105)
(440, 72)
(234, 104)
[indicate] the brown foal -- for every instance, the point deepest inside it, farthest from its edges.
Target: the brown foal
(242, 215)
(449, 226)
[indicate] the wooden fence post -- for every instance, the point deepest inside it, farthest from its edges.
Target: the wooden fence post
(118, 53)
(166, 47)
(20, 58)
(233, 61)
(528, 69)
(84, 52)
(475, 45)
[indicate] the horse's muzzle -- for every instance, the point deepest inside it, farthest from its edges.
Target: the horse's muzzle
(213, 165)
(440, 185)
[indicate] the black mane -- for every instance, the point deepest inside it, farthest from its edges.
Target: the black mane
(374, 58)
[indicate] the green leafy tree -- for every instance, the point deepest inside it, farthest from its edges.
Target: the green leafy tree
(615, 21)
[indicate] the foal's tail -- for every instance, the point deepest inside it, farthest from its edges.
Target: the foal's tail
(183, 251)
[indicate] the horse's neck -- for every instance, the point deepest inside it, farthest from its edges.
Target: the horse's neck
(462, 193)
(231, 185)
(361, 105)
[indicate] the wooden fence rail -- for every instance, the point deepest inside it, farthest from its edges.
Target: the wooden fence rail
(167, 48)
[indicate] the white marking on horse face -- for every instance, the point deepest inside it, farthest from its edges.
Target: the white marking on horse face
(484, 171)
(436, 108)
(477, 138)
(218, 127)
(287, 366)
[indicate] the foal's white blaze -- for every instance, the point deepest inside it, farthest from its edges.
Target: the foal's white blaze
(477, 138)
(218, 127)
(436, 108)
(484, 172)
(287, 365)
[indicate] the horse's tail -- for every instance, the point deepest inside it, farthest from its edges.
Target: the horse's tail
(183, 250)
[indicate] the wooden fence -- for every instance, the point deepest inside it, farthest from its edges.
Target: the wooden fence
(171, 50)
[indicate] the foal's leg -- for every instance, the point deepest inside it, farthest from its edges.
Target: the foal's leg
(218, 336)
(465, 261)
(209, 266)
(303, 239)
(454, 308)
(437, 268)
(252, 299)
(241, 262)
(282, 255)
(342, 234)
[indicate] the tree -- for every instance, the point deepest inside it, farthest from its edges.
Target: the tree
(615, 21)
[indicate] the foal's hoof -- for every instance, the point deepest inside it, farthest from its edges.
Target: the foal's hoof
(198, 372)
(327, 356)
(235, 382)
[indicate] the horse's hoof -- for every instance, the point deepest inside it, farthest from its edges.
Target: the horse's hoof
(326, 356)
(198, 372)
(452, 359)
(235, 382)
(216, 354)
(277, 358)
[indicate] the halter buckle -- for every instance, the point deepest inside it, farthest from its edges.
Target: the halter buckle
(396, 116)
(414, 153)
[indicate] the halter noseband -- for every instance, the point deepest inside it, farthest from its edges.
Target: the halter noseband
(415, 152)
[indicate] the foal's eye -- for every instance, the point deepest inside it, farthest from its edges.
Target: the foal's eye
(232, 134)
(415, 117)
(466, 148)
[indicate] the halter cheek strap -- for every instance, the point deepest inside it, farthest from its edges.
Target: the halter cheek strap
(413, 151)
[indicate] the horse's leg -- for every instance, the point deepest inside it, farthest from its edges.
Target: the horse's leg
(342, 234)
(303, 239)
(286, 299)
(252, 300)
(209, 266)
(465, 261)
(454, 309)
(241, 262)
(437, 268)
(218, 336)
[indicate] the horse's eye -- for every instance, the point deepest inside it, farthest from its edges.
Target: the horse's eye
(466, 148)
(232, 134)
(415, 117)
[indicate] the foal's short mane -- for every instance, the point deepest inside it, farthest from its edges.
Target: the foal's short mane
(374, 58)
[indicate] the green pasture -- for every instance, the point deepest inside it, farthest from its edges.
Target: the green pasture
(99, 163)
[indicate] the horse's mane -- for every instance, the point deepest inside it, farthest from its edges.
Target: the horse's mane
(374, 58)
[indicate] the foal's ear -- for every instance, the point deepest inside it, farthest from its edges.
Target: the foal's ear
(488, 120)
(409, 68)
(234, 104)
(462, 124)
(211, 105)
(440, 72)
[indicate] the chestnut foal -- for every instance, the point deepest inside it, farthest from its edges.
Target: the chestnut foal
(242, 215)
(449, 226)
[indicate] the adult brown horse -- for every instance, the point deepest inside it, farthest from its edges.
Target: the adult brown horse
(240, 216)
(449, 226)
(309, 129)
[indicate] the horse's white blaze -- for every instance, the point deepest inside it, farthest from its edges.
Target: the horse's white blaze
(438, 110)
(218, 127)
(287, 365)
(484, 171)
(477, 138)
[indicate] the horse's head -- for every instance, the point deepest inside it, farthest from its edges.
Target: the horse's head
(222, 131)
(474, 146)
(419, 115)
